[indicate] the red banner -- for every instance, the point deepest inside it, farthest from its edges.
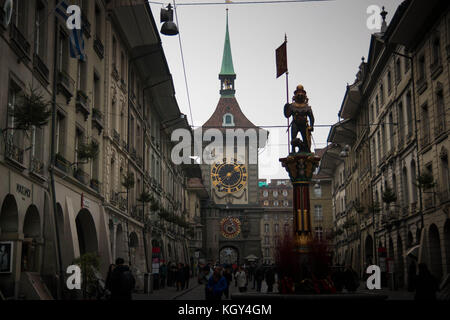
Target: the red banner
(281, 54)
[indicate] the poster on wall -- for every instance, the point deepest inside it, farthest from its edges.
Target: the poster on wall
(6, 250)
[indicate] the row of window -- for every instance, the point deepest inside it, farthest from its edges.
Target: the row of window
(276, 203)
(275, 193)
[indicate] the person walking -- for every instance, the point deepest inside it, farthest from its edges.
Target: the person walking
(163, 274)
(187, 275)
(241, 280)
(180, 279)
(426, 284)
(122, 281)
(259, 275)
(108, 281)
(351, 279)
(216, 286)
(270, 279)
(228, 276)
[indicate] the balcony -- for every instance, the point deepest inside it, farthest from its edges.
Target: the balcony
(421, 85)
(21, 45)
(41, 68)
(61, 163)
(133, 154)
(14, 153)
(115, 72)
(139, 161)
(99, 48)
(114, 198)
(82, 176)
(425, 141)
(440, 127)
(66, 85)
(123, 85)
(85, 25)
(95, 184)
(83, 104)
(37, 166)
(436, 69)
(116, 137)
(123, 203)
(125, 145)
(428, 202)
(97, 119)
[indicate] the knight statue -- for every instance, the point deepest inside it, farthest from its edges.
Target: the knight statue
(300, 111)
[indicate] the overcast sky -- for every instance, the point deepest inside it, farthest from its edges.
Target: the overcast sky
(326, 40)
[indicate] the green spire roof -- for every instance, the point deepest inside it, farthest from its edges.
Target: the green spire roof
(227, 61)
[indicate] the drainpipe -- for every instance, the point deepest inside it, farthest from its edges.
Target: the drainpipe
(52, 166)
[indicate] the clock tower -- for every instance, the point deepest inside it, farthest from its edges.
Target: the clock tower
(232, 216)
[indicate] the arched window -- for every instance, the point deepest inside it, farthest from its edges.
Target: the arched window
(228, 120)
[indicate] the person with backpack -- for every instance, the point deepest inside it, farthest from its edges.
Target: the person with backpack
(426, 284)
(216, 286)
(122, 281)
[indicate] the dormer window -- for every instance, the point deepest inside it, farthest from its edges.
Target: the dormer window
(228, 120)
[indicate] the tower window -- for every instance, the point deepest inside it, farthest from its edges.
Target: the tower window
(228, 120)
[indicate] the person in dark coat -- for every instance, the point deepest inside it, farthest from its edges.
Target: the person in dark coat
(187, 276)
(426, 284)
(180, 279)
(351, 279)
(122, 281)
(216, 286)
(259, 276)
(163, 275)
(229, 277)
(412, 273)
(270, 279)
(108, 281)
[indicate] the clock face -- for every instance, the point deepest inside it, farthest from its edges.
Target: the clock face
(231, 227)
(229, 176)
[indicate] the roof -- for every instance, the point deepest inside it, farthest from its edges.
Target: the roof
(227, 60)
(228, 105)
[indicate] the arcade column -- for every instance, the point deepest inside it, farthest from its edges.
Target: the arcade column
(300, 167)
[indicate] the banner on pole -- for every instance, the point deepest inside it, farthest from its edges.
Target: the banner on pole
(281, 54)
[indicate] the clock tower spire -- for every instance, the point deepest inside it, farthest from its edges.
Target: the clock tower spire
(227, 75)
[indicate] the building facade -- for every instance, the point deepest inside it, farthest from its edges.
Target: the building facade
(231, 217)
(389, 151)
(112, 189)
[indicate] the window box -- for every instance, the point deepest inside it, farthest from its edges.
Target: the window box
(61, 163)
(21, 45)
(97, 119)
(83, 104)
(99, 48)
(14, 153)
(41, 68)
(66, 85)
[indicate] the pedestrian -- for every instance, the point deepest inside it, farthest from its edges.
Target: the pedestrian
(351, 279)
(228, 276)
(122, 281)
(259, 276)
(426, 284)
(163, 274)
(180, 279)
(108, 281)
(412, 273)
(241, 280)
(187, 275)
(169, 274)
(270, 279)
(216, 286)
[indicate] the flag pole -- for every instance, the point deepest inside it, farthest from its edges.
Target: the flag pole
(287, 93)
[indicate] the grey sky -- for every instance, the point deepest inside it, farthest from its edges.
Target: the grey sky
(326, 41)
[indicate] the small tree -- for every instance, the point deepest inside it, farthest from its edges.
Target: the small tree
(89, 264)
(128, 182)
(30, 111)
(87, 151)
(389, 196)
(425, 181)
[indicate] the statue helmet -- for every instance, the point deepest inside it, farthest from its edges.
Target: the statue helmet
(299, 88)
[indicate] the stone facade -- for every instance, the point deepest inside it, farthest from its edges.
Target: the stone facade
(393, 138)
